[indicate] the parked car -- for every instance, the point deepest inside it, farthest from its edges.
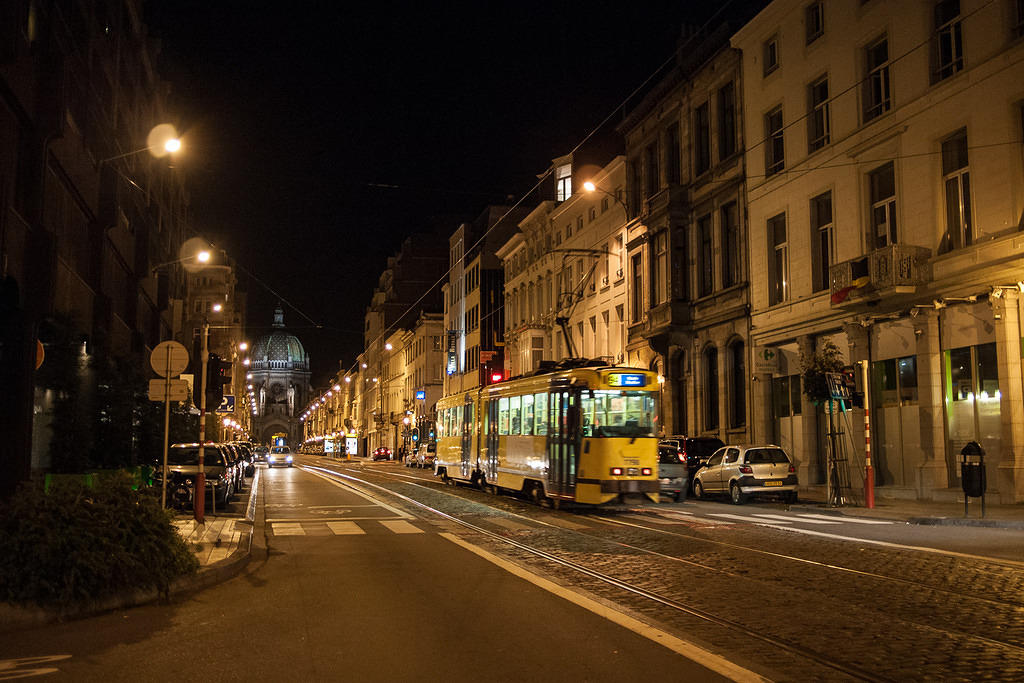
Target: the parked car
(694, 451)
(672, 474)
(234, 456)
(280, 456)
(245, 451)
(183, 466)
(426, 454)
(747, 471)
(382, 453)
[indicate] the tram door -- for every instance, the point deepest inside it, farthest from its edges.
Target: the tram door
(563, 441)
(491, 430)
(467, 437)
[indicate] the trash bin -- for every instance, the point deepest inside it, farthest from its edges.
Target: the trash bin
(972, 473)
(972, 469)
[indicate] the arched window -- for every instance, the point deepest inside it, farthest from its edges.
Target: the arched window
(710, 388)
(737, 384)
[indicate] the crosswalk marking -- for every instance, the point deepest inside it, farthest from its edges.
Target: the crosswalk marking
(400, 526)
(288, 529)
(854, 520)
(788, 520)
(345, 528)
(745, 519)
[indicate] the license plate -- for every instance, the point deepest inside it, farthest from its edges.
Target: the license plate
(773, 483)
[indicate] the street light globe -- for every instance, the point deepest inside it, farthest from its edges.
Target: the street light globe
(217, 308)
(348, 379)
(337, 387)
(172, 145)
(203, 256)
(243, 346)
(226, 421)
(388, 346)
(589, 186)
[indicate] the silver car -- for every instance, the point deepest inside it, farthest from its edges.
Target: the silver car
(747, 471)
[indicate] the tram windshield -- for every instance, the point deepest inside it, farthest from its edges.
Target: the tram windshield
(608, 413)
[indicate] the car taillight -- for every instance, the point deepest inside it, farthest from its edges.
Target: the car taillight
(746, 469)
(616, 471)
(681, 455)
(646, 471)
(792, 469)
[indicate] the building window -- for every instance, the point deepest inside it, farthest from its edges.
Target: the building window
(883, 206)
(775, 149)
(727, 121)
(818, 115)
(634, 180)
(710, 388)
(706, 270)
(680, 264)
(778, 260)
(957, 180)
(1018, 27)
(651, 170)
(672, 152)
(814, 16)
(822, 241)
(738, 385)
(949, 41)
(701, 139)
(730, 245)
(771, 55)
(876, 85)
(659, 268)
(563, 182)
(638, 288)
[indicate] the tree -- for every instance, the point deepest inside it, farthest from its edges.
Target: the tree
(815, 369)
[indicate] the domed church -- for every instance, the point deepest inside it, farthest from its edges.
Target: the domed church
(279, 369)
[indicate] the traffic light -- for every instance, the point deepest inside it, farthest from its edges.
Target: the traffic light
(218, 373)
(415, 434)
(852, 384)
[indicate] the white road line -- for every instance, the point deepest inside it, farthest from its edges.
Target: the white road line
(788, 520)
(853, 520)
(345, 528)
(666, 520)
(325, 519)
(287, 529)
(689, 650)
(749, 520)
(401, 526)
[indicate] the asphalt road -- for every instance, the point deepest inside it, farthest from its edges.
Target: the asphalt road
(349, 588)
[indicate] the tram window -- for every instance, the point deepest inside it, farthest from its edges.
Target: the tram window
(515, 407)
(621, 413)
(540, 408)
(503, 416)
(528, 414)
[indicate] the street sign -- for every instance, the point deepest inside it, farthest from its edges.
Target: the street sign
(169, 359)
(176, 389)
(766, 361)
(227, 404)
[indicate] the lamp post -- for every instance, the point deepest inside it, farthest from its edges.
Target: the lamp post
(589, 186)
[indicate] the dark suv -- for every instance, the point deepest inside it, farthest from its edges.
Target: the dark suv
(693, 450)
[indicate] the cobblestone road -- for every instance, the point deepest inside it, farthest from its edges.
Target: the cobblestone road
(788, 606)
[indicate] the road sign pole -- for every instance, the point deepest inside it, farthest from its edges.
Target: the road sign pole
(199, 498)
(869, 472)
(167, 428)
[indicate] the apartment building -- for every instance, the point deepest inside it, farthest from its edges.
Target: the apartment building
(885, 182)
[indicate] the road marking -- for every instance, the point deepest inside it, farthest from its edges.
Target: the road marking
(13, 668)
(688, 650)
(741, 518)
(788, 520)
(325, 519)
(354, 489)
(401, 526)
(854, 520)
(288, 529)
(666, 520)
(345, 528)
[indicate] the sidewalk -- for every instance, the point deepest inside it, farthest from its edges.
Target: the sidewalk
(925, 512)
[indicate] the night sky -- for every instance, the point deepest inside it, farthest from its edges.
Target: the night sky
(294, 115)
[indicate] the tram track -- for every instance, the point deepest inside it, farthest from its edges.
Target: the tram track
(635, 590)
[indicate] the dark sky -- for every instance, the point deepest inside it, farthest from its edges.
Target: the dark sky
(293, 111)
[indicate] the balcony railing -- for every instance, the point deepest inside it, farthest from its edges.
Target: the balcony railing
(892, 270)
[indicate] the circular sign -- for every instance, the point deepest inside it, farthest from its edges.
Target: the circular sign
(40, 354)
(168, 359)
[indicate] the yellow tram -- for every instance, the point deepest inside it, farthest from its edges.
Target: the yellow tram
(582, 434)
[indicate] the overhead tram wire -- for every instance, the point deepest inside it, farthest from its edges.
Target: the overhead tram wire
(593, 131)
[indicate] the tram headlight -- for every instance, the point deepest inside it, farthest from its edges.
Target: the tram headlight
(646, 471)
(616, 471)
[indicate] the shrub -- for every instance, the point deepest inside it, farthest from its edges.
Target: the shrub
(816, 368)
(75, 544)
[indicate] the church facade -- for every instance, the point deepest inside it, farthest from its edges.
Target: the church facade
(279, 375)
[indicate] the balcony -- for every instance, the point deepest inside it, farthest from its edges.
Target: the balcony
(894, 270)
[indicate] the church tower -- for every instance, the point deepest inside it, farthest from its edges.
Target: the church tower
(279, 374)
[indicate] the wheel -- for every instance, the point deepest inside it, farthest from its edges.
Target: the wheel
(537, 494)
(680, 496)
(698, 490)
(735, 494)
(481, 482)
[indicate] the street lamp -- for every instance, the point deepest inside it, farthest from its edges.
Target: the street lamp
(589, 186)
(162, 140)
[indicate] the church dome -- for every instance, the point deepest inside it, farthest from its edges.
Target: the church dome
(271, 350)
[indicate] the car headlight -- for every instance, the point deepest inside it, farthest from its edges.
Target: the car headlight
(270, 458)
(288, 459)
